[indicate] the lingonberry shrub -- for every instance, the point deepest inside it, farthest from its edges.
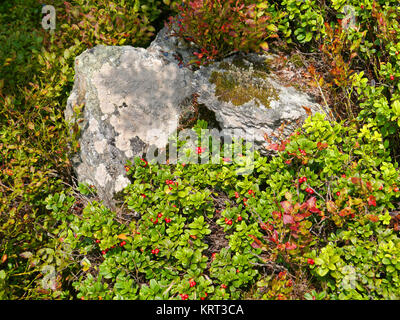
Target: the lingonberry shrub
(204, 232)
(218, 28)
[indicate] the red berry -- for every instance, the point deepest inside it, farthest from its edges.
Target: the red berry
(310, 261)
(343, 176)
(192, 283)
(122, 243)
(156, 251)
(362, 6)
(236, 195)
(167, 220)
(145, 162)
(223, 286)
(239, 218)
(309, 190)
(338, 193)
(289, 283)
(160, 215)
(213, 255)
(395, 189)
(392, 77)
(103, 252)
(97, 241)
(229, 222)
(202, 298)
(184, 296)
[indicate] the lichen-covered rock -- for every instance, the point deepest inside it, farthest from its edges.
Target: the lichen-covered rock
(132, 100)
(247, 97)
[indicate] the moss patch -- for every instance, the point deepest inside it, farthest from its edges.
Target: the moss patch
(242, 81)
(296, 60)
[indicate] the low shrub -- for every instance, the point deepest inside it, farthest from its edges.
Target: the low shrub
(202, 231)
(219, 28)
(35, 143)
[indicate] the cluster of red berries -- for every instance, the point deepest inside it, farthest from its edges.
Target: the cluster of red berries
(103, 252)
(184, 296)
(192, 283)
(171, 182)
(302, 152)
(302, 180)
(155, 251)
(309, 190)
(310, 261)
(160, 215)
(228, 221)
(200, 150)
(203, 298)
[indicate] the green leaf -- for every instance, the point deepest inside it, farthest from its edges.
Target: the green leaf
(322, 271)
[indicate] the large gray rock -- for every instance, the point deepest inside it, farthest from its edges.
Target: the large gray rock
(246, 96)
(132, 100)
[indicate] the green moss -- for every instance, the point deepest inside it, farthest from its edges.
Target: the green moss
(296, 60)
(238, 83)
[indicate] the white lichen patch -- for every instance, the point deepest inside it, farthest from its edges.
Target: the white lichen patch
(120, 183)
(101, 175)
(100, 146)
(93, 125)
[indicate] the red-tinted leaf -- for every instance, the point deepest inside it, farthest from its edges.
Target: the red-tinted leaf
(315, 210)
(273, 146)
(290, 246)
(255, 245)
(372, 201)
(311, 202)
(355, 180)
(287, 219)
(287, 207)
